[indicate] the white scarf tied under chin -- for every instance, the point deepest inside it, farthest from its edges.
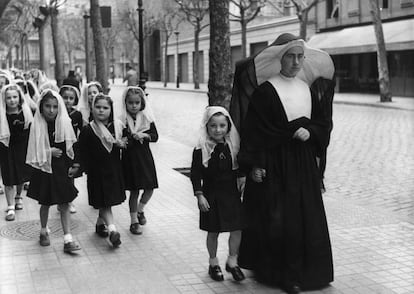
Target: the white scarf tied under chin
(143, 119)
(105, 136)
(39, 152)
(207, 145)
(4, 124)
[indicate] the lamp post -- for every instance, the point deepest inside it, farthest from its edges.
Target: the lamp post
(142, 77)
(178, 60)
(87, 56)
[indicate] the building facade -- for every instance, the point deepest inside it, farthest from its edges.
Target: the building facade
(344, 29)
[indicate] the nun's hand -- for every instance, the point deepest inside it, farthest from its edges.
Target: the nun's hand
(56, 152)
(258, 174)
(301, 134)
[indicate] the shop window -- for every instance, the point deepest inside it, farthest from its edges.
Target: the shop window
(384, 4)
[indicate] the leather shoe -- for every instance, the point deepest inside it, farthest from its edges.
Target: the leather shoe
(294, 289)
(235, 272)
(135, 229)
(71, 246)
(102, 230)
(215, 273)
(115, 239)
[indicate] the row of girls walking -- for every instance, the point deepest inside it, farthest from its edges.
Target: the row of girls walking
(60, 134)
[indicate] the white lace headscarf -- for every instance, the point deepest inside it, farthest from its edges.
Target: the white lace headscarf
(83, 105)
(143, 119)
(4, 124)
(39, 153)
(101, 131)
(207, 145)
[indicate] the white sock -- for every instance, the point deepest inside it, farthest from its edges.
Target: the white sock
(134, 217)
(67, 238)
(141, 207)
(232, 260)
(11, 207)
(100, 221)
(44, 231)
(111, 228)
(213, 261)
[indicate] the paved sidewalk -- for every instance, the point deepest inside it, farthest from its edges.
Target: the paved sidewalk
(373, 251)
(373, 248)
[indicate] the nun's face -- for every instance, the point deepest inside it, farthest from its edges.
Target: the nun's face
(292, 61)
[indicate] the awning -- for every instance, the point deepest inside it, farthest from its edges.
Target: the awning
(398, 35)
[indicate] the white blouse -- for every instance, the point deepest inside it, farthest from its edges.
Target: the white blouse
(295, 96)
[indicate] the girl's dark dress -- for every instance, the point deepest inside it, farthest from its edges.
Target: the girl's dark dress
(105, 179)
(219, 185)
(57, 187)
(287, 239)
(77, 124)
(138, 163)
(14, 169)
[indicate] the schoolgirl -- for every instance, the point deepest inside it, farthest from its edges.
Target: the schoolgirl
(70, 96)
(215, 182)
(50, 152)
(100, 144)
(15, 120)
(137, 160)
(88, 93)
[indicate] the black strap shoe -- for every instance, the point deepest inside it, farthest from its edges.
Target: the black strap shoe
(215, 273)
(102, 230)
(235, 272)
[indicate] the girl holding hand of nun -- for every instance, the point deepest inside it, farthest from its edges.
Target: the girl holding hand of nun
(50, 152)
(15, 120)
(100, 144)
(214, 175)
(137, 160)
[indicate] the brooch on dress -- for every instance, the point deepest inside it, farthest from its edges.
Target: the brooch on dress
(222, 156)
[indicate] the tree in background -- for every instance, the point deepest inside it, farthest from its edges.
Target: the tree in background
(247, 11)
(53, 8)
(73, 38)
(383, 74)
(220, 72)
(168, 24)
(100, 56)
(16, 27)
(302, 10)
(195, 11)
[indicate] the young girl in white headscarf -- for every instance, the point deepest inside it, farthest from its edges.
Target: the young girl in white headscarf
(50, 152)
(137, 161)
(15, 120)
(88, 93)
(70, 96)
(100, 144)
(214, 175)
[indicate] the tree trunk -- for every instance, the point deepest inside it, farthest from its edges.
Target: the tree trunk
(383, 76)
(219, 82)
(196, 62)
(42, 51)
(303, 24)
(56, 33)
(96, 23)
(166, 60)
(243, 37)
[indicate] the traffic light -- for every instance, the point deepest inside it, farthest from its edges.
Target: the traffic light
(106, 16)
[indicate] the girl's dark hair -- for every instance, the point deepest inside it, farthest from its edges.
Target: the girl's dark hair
(227, 118)
(141, 96)
(101, 96)
(30, 88)
(46, 97)
(16, 88)
(23, 85)
(66, 88)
